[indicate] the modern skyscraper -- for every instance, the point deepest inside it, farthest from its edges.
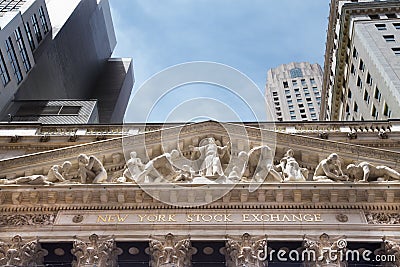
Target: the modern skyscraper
(293, 91)
(55, 64)
(362, 74)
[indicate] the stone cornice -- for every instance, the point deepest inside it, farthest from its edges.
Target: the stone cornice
(307, 195)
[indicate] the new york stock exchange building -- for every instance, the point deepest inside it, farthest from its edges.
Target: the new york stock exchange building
(201, 194)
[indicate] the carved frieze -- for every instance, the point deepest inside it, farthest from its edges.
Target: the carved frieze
(27, 219)
(383, 218)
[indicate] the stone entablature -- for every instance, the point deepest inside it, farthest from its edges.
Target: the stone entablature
(306, 195)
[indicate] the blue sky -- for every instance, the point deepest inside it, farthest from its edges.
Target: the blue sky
(251, 36)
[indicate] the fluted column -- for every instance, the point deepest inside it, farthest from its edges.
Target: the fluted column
(21, 253)
(324, 251)
(170, 251)
(95, 252)
(245, 251)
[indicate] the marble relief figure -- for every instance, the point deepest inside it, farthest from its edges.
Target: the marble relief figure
(91, 170)
(210, 155)
(329, 170)
(366, 172)
(291, 169)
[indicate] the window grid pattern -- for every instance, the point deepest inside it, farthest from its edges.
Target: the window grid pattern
(10, 5)
(30, 36)
(13, 60)
(5, 77)
(43, 21)
(35, 25)
(22, 49)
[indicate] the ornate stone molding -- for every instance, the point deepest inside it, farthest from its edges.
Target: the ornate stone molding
(245, 251)
(27, 219)
(20, 253)
(95, 252)
(383, 218)
(170, 252)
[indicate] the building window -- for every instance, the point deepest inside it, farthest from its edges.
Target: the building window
(301, 106)
(349, 94)
(310, 104)
(296, 90)
(366, 96)
(313, 115)
(294, 82)
(307, 94)
(288, 96)
(290, 102)
(299, 100)
(359, 82)
(22, 49)
(355, 108)
(274, 93)
(369, 79)
(291, 107)
(13, 60)
(292, 112)
(361, 66)
(316, 93)
(30, 37)
(386, 111)
(396, 51)
(391, 16)
(287, 92)
(389, 38)
(5, 77)
(43, 21)
(355, 53)
(293, 118)
(352, 69)
(296, 73)
(35, 25)
(298, 95)
(347, 108)
(306, 91)
(396, 25)
(312, 81)
(377, 94)
(373, 112)
(381, 27)
(312, 109)
(303, 82)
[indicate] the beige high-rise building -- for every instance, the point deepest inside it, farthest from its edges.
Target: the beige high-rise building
(293, 91)
(362, 74)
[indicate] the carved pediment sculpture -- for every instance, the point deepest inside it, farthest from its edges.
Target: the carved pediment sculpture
(91, 170)
(329, 170)
(245, 251)
(56, 174)
(324, 251)
(211, 154)
(95, 252)
(260, 165)
(18, 252)
(290, 168)
(170, 252)
(367, 172)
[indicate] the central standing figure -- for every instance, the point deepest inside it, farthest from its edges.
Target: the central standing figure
(212, 152)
